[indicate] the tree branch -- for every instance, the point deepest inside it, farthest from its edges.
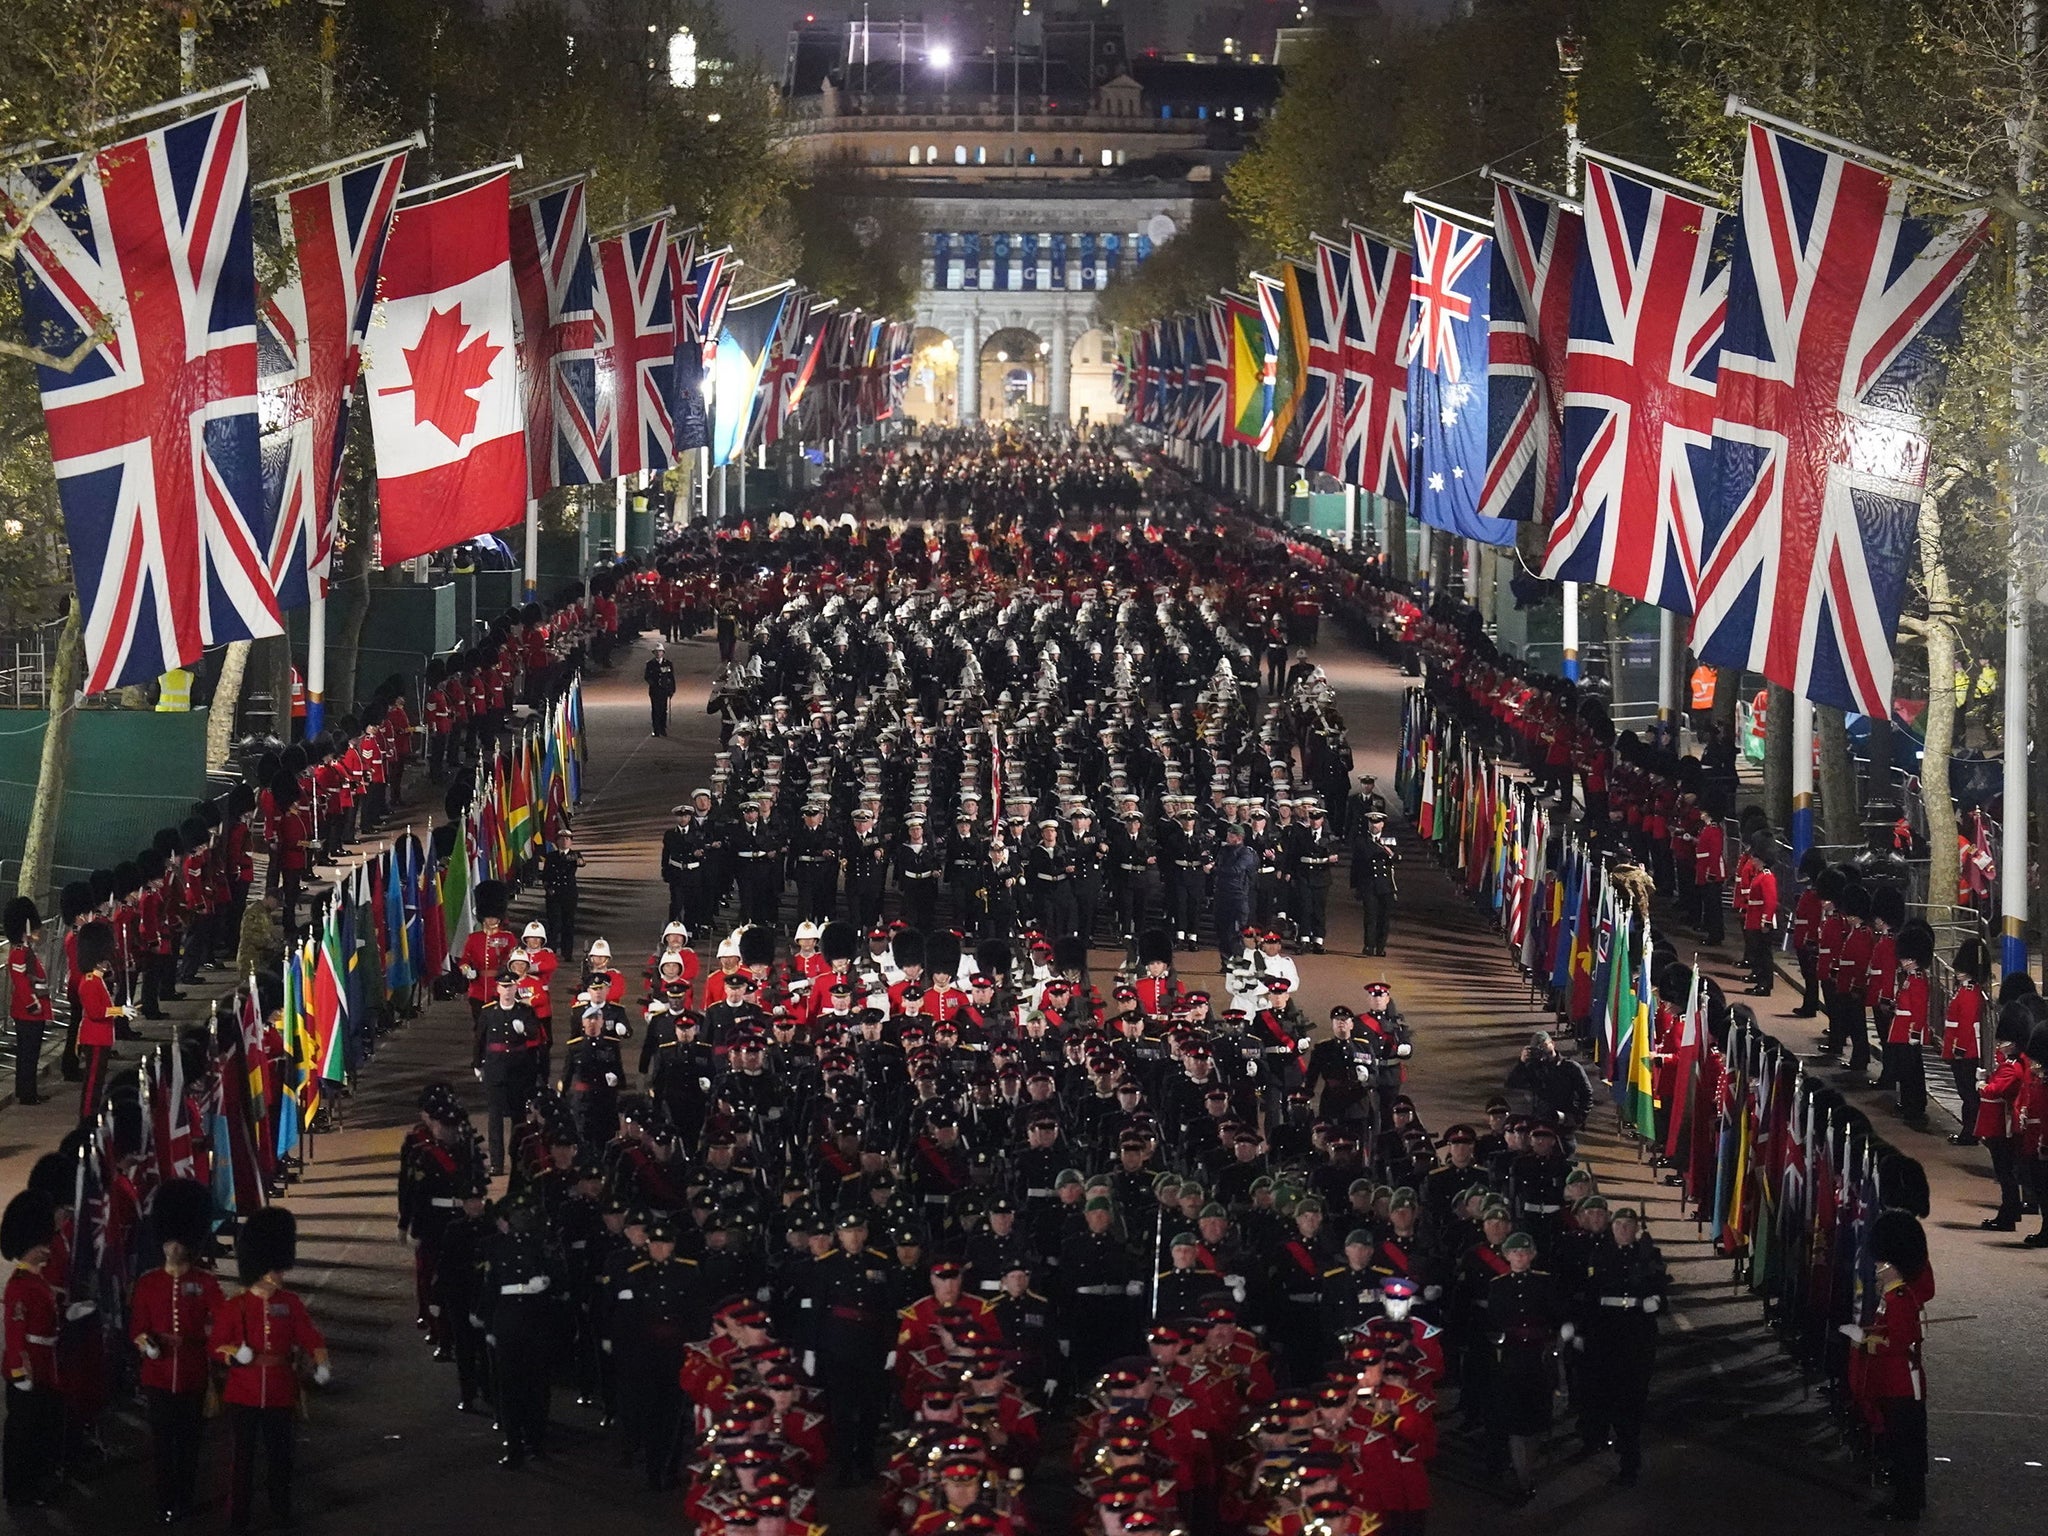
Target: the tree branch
(56, 362)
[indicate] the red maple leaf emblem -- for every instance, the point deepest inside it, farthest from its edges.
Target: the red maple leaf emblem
(447, 371)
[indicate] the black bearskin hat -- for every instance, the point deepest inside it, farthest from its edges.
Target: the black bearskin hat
(942, 954)
(492, 898)
(1811, 863)
(127, 879)
(1155, 944)
(56, 1177)
(149, 864)
(2016, 1021)
(241, 800)
(268, 1241)
(992, 958)
(1760, 844)
(1973, 961)
(1897, 1239)
(1902, 1184)
(102, 882)
(757, 944)
(908, 946)
(95, 946)
(74, 901)
(20, 916)
(839, 940)
(183, 1214)
(1855, 901)
(1070, 953)
(1888, 906)
(29, 1222)
(192, 833)
(1916, 943)
(284, 791)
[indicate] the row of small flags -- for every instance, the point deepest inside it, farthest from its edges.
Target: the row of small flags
(1777, 1169)
(505, 351)
(1683, 393)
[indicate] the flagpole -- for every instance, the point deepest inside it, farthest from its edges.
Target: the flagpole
(1802, 777)
(1667, 674)
(416, 140)
(531, 585)
(316, 671)
(258, 79)
(1478, 223)
(413, 194)
(1737, 107)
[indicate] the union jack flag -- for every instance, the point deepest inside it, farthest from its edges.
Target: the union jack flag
(901, 335)
(779, 380)
(1212, 330)
(154, 436)
(1832, 300)
(639, 347)
(1648, 308)
(703, 286)
(1536, 248)
(1375, 371)
(554, 273)
(1321, 413)
(309, 351)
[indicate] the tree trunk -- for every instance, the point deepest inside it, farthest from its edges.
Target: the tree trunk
(1841, 815)
(1396, 517)
(1778, 758)
(39, 849)
(272, 673)
(227, 700)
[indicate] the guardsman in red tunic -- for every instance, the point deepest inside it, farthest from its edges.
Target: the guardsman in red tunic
(1809, 913)
(1756, 903)
(486, 951)
(1962, 1029)
(261, 1337)
(28, 994)
(171, 1312)
(1906, 1033)
(97, 1012)
(1891, 1386)
(32, 1453)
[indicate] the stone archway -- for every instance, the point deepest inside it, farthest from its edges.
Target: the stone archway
(1016, 375)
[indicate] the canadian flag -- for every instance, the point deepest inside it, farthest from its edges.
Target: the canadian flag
(442, 374)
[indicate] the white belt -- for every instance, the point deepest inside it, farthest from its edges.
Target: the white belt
(47, 1340)
(444, 1202)
(1282, 1050)
(1305, 1296)
(937, 1199)
(991, 1285)
(1543, 1210)
(1038, 1194)
(1621, 1301)
(1098, 1290)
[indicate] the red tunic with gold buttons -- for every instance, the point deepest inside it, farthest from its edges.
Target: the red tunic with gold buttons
(174, 1314)
(275, 1328)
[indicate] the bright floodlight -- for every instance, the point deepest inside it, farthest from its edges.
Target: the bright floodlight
(942, 57)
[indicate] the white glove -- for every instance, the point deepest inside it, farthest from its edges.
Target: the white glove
(1251, 1066)
(606, 1346)
(538, 1284)
(611, 1079)
(889, 1364)
(766, 1293)
(79, 1309)
(519, 1026)
(1567, 1333)
(810, 1362)
(150, 1350)
(1066, 1349)
(322, 1375)
(1432, 1292)
(244, 1355)
(1135, 1288)
(23, 1384)
(467, 971)
(1579, 1345)
(704, 1085)
(433, 1309)
(1652, 1303)
(491, 1339)
(479, 1074)
(475, 1321)
(1404, 1049)
(1853, 1332)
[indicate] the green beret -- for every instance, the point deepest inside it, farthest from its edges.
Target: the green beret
(1261, 1184)
(1592, 1203)
(1185, 1240)
(1627, 1213)
(1358, 1186)
(1213, 1209)
(1490, 1212)
(1308, 1204)
(1518, 1242)
(1099, 1203)
(1404, 1199)
(1360, 1237)
(1165, 1182)
(1190, 1190)
(1068, 1176)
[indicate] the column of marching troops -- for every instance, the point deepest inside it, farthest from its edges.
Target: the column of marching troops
(1866, 970)
(868, 1197)
(188, 905)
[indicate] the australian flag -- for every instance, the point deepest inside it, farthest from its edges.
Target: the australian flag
(1448, 346)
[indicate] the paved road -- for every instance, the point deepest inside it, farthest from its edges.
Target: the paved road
(1738, 1443)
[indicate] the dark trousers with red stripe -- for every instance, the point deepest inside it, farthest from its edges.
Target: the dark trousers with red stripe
(93, 1087)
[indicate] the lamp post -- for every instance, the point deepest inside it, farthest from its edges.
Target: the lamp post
(1571, 62)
